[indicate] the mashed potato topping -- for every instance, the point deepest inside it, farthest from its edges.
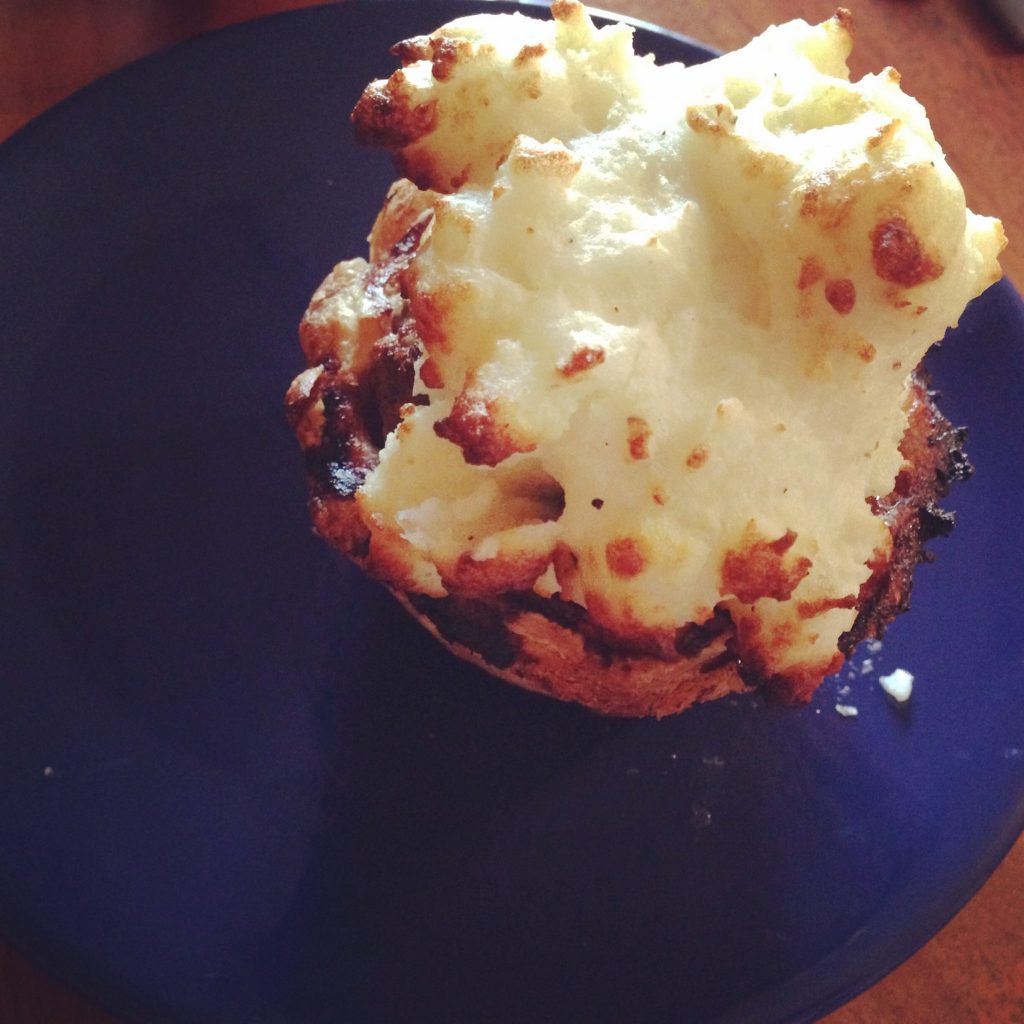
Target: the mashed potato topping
(663, 319)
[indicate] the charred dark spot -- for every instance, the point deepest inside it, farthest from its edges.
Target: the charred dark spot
(726, 657)
(408, 51)
(388, 278)
(692, 638)
(956, 466)
(477, 625)
(388, 382)
(383, 117)
(933, 448)
(566, 614)
(935, 522)
(338, 466)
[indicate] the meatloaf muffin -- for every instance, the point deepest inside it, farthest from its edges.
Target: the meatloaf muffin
(624, 406)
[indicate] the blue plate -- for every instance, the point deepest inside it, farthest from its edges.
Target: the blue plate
(237, 784)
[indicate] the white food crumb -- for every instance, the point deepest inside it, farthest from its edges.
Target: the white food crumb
(847, 710)
(867, 666)
(898, 684)
(874, 646)
(700, 816)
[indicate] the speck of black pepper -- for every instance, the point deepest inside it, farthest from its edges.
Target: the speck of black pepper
(598, 503)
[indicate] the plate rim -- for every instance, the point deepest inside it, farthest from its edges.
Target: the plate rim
(58, 966)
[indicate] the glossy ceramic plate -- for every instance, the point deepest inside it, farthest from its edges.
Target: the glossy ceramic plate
(237, 784)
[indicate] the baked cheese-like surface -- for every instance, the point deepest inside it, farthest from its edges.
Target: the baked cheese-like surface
(667, 316)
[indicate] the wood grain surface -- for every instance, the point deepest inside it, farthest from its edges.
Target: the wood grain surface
(953, 57)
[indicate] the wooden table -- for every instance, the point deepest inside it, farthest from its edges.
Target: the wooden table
(953, 57)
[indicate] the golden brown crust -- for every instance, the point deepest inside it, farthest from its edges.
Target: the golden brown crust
(934, 450)
(476, 424)
(760, 568)
(519, 639)
(898, 255)
(384, 117)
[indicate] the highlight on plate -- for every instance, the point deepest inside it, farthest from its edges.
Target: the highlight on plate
(624, 406)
